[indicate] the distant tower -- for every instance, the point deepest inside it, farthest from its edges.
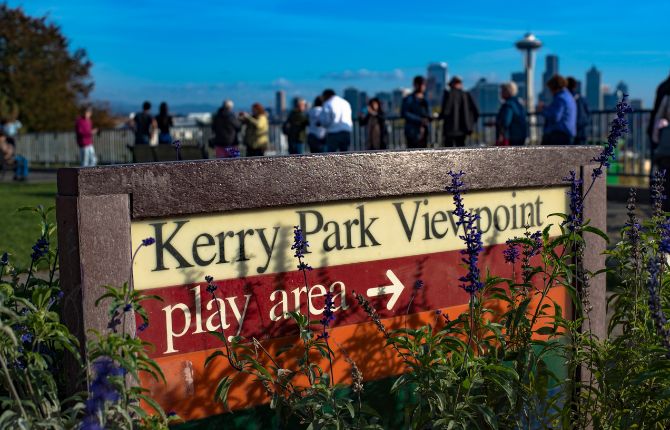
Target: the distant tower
(528, 45)
(436, 82)
(594, 90)
(487, 96)
(550, 69)
(280, 104)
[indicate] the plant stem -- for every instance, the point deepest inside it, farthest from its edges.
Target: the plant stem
(12, 388)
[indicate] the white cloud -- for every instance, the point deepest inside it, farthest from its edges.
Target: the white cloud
(348, 75)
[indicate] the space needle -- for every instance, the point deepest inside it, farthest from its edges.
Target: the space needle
(528, 45)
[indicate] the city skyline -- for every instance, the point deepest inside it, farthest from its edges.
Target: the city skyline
(246, 53)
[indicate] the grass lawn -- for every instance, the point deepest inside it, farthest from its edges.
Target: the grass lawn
(20, 230)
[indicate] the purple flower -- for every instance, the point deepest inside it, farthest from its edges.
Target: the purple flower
(27, 337)
(618, 129)
(511, 254)
(537, 243)
(653, 287)
(300, 246)
(148, 241)
(211, 287)
(328, 307)
(438, 312)
(418, 284)
(115, 321)
(457, 188)
(127, 307)
(232, 152)
(40, 249)
(101, 389)
(658, 192)
(472, 236)
(328, 315)
(143, 326)
(177, 147)
(575, 218)
(4, 260)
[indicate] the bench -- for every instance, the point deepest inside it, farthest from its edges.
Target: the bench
(151, 154)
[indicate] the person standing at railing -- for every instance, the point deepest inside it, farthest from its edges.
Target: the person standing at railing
(84, 131)
(11, 129)
(560, 117)
(316, 134)
(8, 158)
(295, 125)
(144, 125)
(375, 121)
(226, 128)
(416, 114)
(583, 114)
(459, 114)
(337, 120)
(164, 122)
(661, 91)
(257, 132)
(511, 123)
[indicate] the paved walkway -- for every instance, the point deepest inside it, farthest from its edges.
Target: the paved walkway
(35, 176)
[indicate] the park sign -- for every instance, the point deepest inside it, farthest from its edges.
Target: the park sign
(376, 223)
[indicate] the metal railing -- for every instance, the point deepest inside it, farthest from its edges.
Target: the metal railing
(60, 148)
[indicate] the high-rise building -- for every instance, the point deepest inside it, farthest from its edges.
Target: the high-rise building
(550, 69)
(353, 96)
(436, 82)
(519, 78)
(487, 96)
(280, 104)
(594, 91)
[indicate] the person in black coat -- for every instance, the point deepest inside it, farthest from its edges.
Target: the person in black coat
(226, 127)
(375, 121)
(459, 114)
(416, 114)
(661, 91)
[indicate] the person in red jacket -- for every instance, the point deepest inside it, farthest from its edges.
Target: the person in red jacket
(85, 131)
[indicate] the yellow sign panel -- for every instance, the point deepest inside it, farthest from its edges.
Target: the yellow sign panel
(257, 242)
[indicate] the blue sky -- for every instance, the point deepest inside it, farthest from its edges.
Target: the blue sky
(203, 52)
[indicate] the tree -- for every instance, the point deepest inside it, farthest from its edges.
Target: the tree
(38, 74)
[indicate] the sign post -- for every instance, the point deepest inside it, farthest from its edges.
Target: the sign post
(377, 223)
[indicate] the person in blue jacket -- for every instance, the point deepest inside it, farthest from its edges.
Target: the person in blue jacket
(511, 123)
(560, 117)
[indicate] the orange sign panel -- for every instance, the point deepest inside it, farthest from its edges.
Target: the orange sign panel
(379, 248)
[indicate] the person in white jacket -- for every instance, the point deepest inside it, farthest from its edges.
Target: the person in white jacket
(337, 120)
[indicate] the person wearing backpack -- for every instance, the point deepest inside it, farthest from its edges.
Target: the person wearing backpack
(295, 125)
(511, 124)
(583, 114)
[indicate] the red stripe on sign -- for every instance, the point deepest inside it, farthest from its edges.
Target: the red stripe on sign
(255, 306)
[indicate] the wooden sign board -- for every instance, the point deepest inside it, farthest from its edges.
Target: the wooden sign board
(376, 223)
